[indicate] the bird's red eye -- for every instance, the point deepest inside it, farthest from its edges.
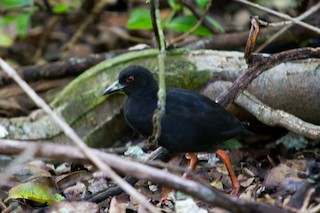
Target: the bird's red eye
(130, 79)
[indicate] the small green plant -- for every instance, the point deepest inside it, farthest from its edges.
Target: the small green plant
(20, 13)
(20, 19)
(14, 4)
(140, 19)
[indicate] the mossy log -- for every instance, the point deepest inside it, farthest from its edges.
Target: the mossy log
(293, 87)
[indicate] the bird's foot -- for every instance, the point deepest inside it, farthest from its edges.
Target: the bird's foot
(234, 191)
(217, 184)
(167, 197)
(185, 175)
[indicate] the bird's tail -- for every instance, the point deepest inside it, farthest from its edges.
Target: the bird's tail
(246, 125)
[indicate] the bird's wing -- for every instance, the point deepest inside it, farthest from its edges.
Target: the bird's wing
(193, 110)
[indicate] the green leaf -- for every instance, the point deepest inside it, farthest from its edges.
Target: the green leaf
(216, 24)
(202, 3)
(11, 4)
(60, 8)
(232, 144)
(185, 23)
(5, 20)
(34, 191)
(22, 21)
(139, 19)
(174, 5)
(5, 40)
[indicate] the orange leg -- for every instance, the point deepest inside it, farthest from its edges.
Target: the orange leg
(235, 183)
(192, 163)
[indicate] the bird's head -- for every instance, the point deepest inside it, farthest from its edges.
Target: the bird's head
(134, 81)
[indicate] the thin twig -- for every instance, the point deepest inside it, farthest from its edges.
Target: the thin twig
(43, 44)
(304, 15)
(190, 4)
(261, 64)
(76, 139)
(123, 33)
(307, 199)
(98, 7)
(281, 15)
(272, 38)
(252, 38)
(272, 117)
(161, 58)
(198, 24)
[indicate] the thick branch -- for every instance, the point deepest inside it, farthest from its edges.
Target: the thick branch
(140, 171)
(272, 117)
(260, 64)
(70, 67)
(266, 114)
(103, 166)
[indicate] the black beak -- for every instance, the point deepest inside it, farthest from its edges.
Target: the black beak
(115, 87)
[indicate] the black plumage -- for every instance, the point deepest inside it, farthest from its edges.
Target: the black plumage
(192, 122)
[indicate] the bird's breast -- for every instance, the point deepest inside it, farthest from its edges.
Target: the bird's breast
(138, 114)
